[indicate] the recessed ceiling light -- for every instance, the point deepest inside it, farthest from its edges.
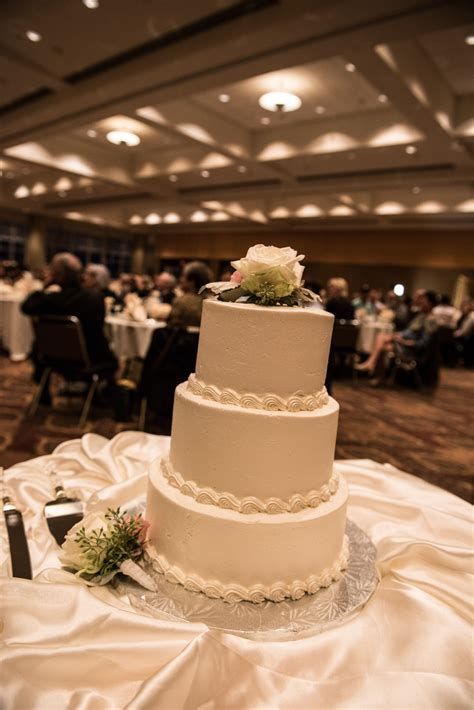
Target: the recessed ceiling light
(205, 173)
(242, 168)
(350, 67)
(21, 192)
(320, 109)
(411, 149)
(173, 178)
(153, 218)
(224, 98)
(199, 216)
(416, 190)
(135, 219)
(92, 133)
(382, 98)
(91, 4)
(172, 218)
(123, 138)
(33, 36)
(280, 101)
(265, 120)
(469, 40)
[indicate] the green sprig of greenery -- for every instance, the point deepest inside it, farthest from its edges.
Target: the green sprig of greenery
(111, 549)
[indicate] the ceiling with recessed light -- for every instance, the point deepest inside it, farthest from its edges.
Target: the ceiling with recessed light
(144, 116)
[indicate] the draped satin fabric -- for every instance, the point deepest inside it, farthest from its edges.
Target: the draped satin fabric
(66, 645)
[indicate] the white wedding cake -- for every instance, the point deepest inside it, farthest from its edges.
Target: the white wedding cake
(247, 505)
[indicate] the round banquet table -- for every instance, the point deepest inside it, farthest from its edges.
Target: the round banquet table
(16, 332)
(368, 331)
(129, 338)
(67, 645)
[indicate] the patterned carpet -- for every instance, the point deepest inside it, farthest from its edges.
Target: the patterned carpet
(427, 435)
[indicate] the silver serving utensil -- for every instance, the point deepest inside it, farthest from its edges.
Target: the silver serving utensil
(62, 512)
(19, 553)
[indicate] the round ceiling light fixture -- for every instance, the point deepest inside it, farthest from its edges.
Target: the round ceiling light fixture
(224, 98)
(91, 4)
(411, 149)
(470, 40)
(399, 289)
(123, 138)
(280, 101)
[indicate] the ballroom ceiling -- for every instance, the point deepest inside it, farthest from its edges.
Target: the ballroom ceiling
(384, 135)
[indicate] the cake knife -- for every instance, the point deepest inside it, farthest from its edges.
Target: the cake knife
(19, 553)
(62, 512)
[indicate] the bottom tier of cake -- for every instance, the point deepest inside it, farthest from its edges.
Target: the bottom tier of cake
(238, 557)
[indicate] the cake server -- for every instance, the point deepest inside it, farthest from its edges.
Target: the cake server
(19, 553)
(62, 512)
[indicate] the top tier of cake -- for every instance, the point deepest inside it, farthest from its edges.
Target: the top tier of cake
(263, 350)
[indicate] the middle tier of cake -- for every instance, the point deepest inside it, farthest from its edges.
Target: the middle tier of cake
(252, 453)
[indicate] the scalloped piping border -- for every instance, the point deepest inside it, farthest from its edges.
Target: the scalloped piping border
(298, 402)
(249, 504)
(257, 593)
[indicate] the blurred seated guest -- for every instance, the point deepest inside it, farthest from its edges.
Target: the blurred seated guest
(464, 333)
(338, 302)
(411, 342)
(96, 277)
(142, 285)
(401, 311)
(166, 283)
(368, 301)
(445, 313)
(187, 309)
(64, 296)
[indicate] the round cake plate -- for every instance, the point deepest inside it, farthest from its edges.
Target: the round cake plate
(269, 620)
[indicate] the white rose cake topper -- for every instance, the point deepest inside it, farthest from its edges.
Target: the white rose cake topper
(267, 276)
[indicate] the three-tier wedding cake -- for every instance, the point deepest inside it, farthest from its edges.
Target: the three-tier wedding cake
(247, 505)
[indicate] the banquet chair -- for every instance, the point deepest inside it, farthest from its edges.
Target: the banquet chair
(61, 347)
(421, 368)
(343, 351)
(170, 359)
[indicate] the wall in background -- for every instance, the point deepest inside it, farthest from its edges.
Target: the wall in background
(418, 259)
(436, 249)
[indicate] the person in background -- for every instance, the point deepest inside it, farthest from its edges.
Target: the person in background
(369, 301)
(464, 333)
(338, 302)
(409, 342)
(187, 309)
(446, 314)
(63, 295)
(166, 283)
(401, 311)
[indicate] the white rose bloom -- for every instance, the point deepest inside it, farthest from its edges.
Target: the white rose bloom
(72, 555)
(272, 264)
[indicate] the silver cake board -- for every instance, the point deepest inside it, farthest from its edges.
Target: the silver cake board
(272, 621)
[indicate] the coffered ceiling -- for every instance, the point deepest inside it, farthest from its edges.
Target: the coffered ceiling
(384, 134)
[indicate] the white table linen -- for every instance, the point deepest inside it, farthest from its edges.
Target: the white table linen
(129, 338)
(16, 332)
(69, 646)
(368, 332)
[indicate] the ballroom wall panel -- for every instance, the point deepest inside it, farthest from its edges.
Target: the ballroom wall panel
(438, 249)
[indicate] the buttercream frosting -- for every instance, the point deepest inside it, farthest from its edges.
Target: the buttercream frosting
(297, 402)
(249, 504)
(275, 592)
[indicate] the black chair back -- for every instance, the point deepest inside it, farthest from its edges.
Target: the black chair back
(344, 336)
(59, 341)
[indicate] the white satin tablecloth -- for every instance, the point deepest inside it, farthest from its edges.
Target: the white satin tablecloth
(129, 338)
(16, 332)
(68, 646)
